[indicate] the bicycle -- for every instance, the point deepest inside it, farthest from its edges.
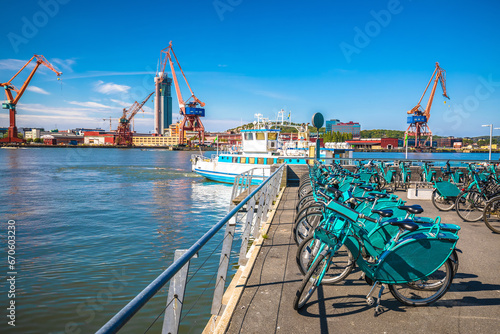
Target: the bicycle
(491, 214)
(415, 264)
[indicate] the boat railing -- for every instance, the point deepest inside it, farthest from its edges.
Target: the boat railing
(243, 223)
(243, 181)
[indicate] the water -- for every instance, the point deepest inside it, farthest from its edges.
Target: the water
(95, 226)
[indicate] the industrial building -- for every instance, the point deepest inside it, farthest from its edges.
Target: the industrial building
(374, 143)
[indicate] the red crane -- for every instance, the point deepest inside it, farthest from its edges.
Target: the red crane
(190, 110)
(124, 134)
(12, 101)
(418, 120)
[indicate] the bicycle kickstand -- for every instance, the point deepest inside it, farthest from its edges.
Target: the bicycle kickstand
(377, 308)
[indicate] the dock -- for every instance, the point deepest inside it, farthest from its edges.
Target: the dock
(264, 303)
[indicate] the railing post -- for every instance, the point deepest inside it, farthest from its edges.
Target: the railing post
(175, 299)
(223, 265)
(260, 210)
(246, 232)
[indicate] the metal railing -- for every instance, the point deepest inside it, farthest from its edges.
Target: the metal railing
(250, 213)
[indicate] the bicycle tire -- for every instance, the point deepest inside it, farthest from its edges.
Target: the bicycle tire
(309, 283)
(441, 203)
(304, 226)
(311, 207)
(340, 267)
(491, 214)
(413, 294)
(470, 205)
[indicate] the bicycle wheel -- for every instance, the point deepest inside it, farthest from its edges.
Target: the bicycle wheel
(309, 208)
(470, 205)
(441, 203)
(310, 282)
(304, 226)
(426, 291)
(491, 214)
(341, 264)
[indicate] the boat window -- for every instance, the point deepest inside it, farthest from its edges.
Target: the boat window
(269, 161)
(260, 136)
(251, 160)
(243, 160)
(260, 161)
(235, 159)
(272, 136)
(248, 136)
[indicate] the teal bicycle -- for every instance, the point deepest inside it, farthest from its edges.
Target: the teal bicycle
(414, 263)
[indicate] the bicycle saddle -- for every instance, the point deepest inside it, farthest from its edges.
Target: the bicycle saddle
(415, 209)
(365, 199)
(406, 224)
(384, 213)
(379, 195)
(366, 188)
(356, 183)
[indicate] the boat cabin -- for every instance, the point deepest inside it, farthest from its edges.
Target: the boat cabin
(260, 140)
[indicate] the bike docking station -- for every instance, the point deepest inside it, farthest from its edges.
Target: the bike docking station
(420, 190)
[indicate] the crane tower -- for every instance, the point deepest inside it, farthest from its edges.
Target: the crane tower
(12, 101)
(192, 108)
(418, 117)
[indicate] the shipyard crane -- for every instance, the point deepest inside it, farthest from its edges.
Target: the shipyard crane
(190, 110)
(123, 133)
(12, 100)
(419, 117)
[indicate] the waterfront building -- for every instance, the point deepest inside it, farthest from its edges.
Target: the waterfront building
(99, 138)
(330, 123)
(335, 125)
(162, 104)
(32, 134)
(374, 143)
(448, 142)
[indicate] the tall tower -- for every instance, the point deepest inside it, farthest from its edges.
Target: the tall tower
(163, 103)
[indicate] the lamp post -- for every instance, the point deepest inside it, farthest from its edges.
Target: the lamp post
(491, 135)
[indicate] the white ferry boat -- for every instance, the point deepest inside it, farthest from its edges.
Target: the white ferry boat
(260, 149)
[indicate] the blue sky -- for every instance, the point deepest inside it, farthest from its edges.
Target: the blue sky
(361, 61)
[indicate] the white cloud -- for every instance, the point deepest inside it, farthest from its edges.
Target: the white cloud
(90, 104)
(121, 103)
(64, 64)
(38, 90)
(14, 64)
(110, 88)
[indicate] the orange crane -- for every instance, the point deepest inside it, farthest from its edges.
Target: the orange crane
(418, 120)
(190, 110)
(12, 101)
(124, 134)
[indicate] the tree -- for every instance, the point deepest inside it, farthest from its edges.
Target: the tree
(482, 142)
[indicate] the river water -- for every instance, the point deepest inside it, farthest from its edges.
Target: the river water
(95, 225)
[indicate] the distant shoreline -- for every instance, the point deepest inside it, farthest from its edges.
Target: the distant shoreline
(208, 148)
